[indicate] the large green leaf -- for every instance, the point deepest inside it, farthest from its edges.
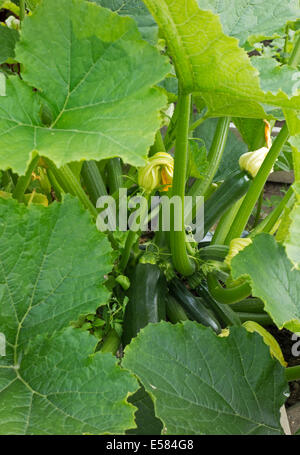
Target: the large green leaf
(275, 77)
(58, 387)
(292, 242)
(137, 10)
(204, 384)
(243, 19)
(273, 279)
(52, 266)
(8, 39)
(53, 262)
(211, 63)
(95, 76)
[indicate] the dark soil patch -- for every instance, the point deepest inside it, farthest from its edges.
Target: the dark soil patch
(284, 338)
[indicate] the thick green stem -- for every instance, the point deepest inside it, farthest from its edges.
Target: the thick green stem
(24, 180)
(69, 183)
(227, 295)
(225, 223)
(130, 241)
(294, 60)
(257, 186)
(115, 175)
(93, 181)
(132, 238)
(200, 187)
(296, 163)
(258, 209)
(269, 222)
(262, 319)
(198, 123)
(22, 10)
(292, 373)
(181, 260)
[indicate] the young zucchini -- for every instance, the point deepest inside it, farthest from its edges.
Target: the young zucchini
(231, 190)
(213, 252)
(224, 313)
(175, 312)
(195, 309)
(147, 300)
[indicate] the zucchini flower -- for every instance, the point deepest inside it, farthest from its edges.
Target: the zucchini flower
(236, 245)
(158, 173)
(252, 161)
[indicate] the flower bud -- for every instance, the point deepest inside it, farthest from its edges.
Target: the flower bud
(158, 172)
(251, 161)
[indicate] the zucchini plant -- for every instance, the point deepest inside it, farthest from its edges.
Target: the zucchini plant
(114, 319)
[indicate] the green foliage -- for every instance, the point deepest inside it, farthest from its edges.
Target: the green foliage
(89, 120)
(86, 97)
(212, 63)
(198, 398)
(48, 369)
(255, 20)
(281, 300)
(8, 40)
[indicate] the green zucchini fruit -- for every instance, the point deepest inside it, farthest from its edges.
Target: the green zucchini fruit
(195, 309)
(252, 305)
(175, 312)
(147, 300)
(224, 313)
(213, 252)
(232, 189)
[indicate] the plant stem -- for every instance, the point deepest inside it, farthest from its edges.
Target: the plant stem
(258, 210)
(295, 55)
(181, 259)
(130, 241)
(197, 123)
(214, 157)
(22, 10)
(257, 186)
(262, 319)
(292, 373)
(24, 180)
(132, 237)
(227, 295)
(93, 181)
(225, 223)
(267, 224)
(69, 183)
(296, 163)
(115, 175)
